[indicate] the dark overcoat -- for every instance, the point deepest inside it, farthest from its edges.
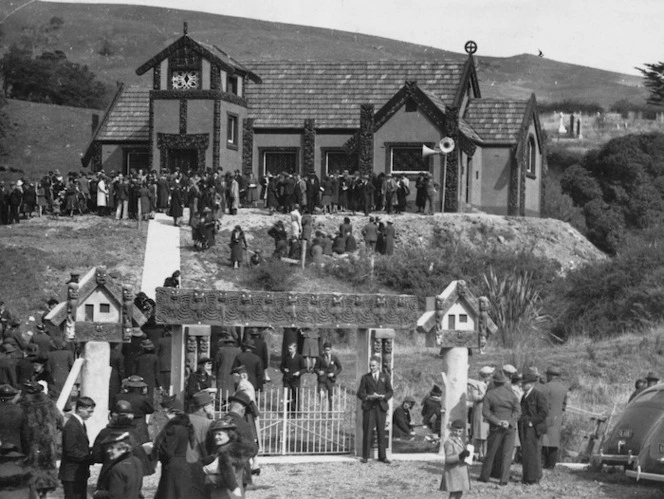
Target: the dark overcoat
(532, 425)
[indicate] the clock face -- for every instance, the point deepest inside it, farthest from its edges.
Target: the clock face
(184, 80)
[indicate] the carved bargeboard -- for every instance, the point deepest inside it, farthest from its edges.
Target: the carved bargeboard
(262, 308)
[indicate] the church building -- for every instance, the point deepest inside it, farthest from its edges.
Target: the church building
(204, 110)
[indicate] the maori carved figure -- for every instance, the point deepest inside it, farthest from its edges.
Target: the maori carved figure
(198, 304)
(291, 301)
(380, 310)
(387, 346)
(440, 314)
(204, 346)
(100, 276)
(377, 346)
(72, 304)
(483, 322)
(127, 312)
(462, 288)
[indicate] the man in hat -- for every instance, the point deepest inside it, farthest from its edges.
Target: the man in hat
(402, 426)
(502, 410)
(476, 390)
(260, 348)
(327, 367)
(375, 391)
(532, 425)
(556, 394)
(201, 414)
(223, 365)
(253, 364)
(639, 386)
(43, 340)
(132, 350)
(432, 411)
(13, 422)
(133, 391)
(13, 331)
(146, 365)
(293, 366)
(76, 456)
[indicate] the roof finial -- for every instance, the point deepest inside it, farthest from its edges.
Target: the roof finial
(185, 27)
(471, 47)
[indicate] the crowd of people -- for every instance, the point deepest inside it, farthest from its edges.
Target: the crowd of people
(209, 194)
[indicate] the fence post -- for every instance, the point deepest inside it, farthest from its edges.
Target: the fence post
(284, 422)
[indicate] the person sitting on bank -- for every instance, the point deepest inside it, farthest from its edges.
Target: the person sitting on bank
(402, 426)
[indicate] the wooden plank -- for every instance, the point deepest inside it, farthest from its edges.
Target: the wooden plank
(69, 383)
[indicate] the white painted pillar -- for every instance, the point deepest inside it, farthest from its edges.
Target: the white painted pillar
(95, 377)
(455, 367)
(177, 360)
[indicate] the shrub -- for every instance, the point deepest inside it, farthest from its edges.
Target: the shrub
(273, 275)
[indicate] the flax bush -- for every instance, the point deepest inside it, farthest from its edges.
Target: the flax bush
(516, 307)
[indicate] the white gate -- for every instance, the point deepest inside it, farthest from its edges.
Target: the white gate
(314, 428)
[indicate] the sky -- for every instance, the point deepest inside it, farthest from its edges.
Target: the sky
(607, 34)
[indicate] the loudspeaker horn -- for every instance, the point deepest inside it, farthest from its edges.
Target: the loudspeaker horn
(427, 151)
(446, 145)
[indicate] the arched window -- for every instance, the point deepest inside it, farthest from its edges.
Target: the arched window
(532, 157)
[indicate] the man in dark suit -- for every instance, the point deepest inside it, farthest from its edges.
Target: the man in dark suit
(293, 366)
(501, 410)
(253, 364)
(532, 425)
(370, 233)
(76, 455)
(13, 421)
(375, 390)
(327, 367)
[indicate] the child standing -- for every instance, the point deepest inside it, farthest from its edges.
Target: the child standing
(455, 474)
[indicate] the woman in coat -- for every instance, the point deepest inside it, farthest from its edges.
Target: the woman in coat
(455, 475)
(122, 478)
(272, 194)
(235, 196)
(252, 191)
(146, 198)
(163, 193)
(238, 246)
(175, 209)
(179, 479)
(229, 453)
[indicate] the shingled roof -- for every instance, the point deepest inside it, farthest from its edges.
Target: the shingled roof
(332, 92)
(128, 119)
(496, 121)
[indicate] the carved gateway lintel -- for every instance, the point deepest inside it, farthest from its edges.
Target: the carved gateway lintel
(261, 308)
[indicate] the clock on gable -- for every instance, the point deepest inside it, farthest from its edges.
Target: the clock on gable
(185, 80)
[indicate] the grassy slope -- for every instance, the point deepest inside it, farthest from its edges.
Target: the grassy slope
(43, 137)
(137, 33)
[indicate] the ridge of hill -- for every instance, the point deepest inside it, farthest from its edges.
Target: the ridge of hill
(129, 35)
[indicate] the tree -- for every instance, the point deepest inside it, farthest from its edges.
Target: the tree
(653, 76)
(50, 78)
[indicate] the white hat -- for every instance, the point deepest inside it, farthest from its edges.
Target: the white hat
(19, 183)
(488, 370)
(509, 369)
(31, 319)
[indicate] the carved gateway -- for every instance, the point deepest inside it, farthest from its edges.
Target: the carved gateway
(261, 308)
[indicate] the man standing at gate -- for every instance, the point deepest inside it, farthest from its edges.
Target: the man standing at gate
(375, 391)
(293, 366)
(327, 368)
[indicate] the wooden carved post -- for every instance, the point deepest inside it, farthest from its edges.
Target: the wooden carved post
(127, 313)
(72, 304)
(459, 322)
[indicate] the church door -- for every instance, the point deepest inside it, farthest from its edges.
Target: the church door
(185, 159)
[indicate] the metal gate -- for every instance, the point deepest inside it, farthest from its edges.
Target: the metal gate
(314, 428)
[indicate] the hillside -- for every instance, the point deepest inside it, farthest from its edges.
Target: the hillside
(44, 137)
(133, 34)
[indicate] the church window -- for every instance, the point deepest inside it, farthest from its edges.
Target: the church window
(532, 157)
(336, 161)
(407, 159)
(185, 80)
(105, 308)
(232, 131)
(232, 87)
(279, 160)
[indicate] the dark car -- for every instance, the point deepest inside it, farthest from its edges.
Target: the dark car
(626, 438)
(649, 464)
